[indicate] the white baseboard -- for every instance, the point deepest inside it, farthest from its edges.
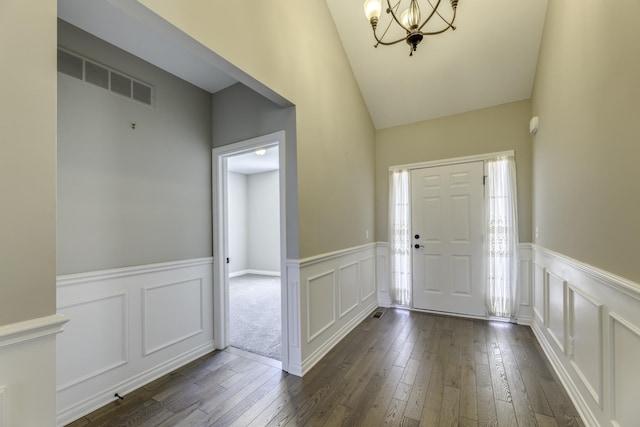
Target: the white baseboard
(106, 396)
(138, 341)
(336, 292)
(588, 324)
(257, 272)
(322, 351)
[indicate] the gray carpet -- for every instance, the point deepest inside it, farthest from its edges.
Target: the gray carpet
(254, 314)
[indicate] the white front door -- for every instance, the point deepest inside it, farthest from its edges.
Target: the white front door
(446, 219)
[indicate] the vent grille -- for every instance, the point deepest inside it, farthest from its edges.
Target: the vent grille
(83, 69)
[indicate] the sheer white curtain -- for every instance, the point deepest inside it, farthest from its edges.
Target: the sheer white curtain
(399, 237)
(502, 233)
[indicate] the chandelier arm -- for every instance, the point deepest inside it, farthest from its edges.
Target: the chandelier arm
(379, 40)
(438, 13)
(430, 15)
(449, 25)
(395, 18)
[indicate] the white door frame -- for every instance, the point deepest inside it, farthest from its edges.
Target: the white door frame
(220, 237)
(450, 161)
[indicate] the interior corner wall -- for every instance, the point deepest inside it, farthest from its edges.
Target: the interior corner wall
(334, 135)
(237, 222)
(254, 222)
(494, 129)
(586, 201)
(130, 196)
(239, 114)
(264, 221)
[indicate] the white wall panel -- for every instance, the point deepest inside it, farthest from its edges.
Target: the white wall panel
(599, 364)
(585, 348)
(538, 293)
(161, 327)
(101, 325)
(382, 274)
(555, 312)
(328, 310)
(367, 278)
(321, 307)
(625, 381)
(127, 327)
(348, 284)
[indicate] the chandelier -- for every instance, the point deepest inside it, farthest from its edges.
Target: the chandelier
(415, 28)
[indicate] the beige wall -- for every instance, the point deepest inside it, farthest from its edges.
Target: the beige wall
(27, 160)
(293, 48)
(587, 94)
(501, 128)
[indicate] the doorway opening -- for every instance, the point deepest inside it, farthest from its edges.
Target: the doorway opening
(249, 247)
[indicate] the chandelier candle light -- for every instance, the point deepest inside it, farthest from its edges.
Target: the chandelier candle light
(410, 20)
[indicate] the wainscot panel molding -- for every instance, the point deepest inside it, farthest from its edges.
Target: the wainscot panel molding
(336, 291)
(588, 323)
(127, 327)
(525, 262)
(383, 274)
(27, 371)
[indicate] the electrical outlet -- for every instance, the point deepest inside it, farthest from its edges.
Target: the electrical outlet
(537, 233)
(366, 234)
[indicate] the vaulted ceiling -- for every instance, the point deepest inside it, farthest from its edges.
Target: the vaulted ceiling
(490, 59)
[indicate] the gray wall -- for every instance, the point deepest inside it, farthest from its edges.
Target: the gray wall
(254, 221)
(586, 174)
(130, 196)
(237, 221)
(239, 114)
(264, 221)
(494, 129)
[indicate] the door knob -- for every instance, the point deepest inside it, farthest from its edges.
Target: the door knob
(417, 246)
(417, 236)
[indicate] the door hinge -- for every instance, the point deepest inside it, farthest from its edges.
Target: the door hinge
(227, 260)
(484, 179)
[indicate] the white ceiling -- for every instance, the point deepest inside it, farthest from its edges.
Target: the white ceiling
(490, 59)
(251, 163)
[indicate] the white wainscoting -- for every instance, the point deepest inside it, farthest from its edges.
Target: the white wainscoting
(336, 292)
(27, 372)
(588, 323)
(128, 327)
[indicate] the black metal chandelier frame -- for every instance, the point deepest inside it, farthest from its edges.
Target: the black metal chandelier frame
(412, 24)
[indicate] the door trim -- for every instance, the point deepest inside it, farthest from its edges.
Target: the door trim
(220, 238)
(454, 160)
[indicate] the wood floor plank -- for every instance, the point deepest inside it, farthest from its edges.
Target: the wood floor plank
(383, 398)
(467, 422)
(505, 413)
(429, 418)
(486, 401)
(403, 369)
(546, 421)
(394, 414)
(449, 413)
(418, 394)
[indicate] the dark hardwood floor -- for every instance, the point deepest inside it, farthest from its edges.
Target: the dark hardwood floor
(405, 368)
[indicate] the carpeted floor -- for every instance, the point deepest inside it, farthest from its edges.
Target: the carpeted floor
(254, 314)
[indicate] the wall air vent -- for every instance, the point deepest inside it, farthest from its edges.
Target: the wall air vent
(84, 69)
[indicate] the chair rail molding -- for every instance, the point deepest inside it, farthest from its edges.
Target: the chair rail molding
(336, 291)
(587, 321)
(137, 341)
